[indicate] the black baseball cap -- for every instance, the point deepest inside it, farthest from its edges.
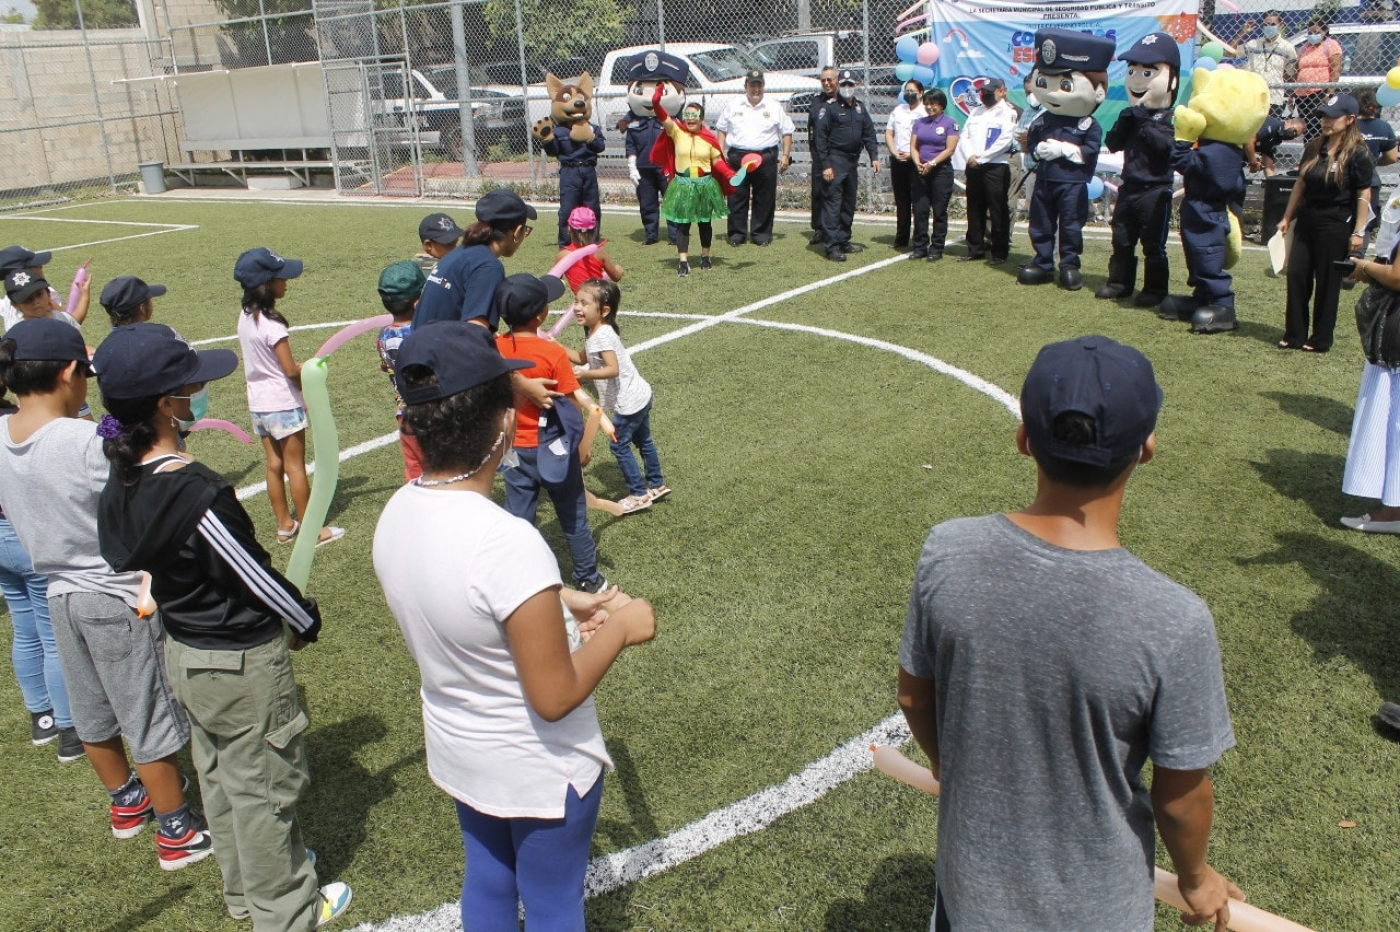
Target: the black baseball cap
(22, 284)
(504, 209)
(149, 360)
(439, 228)
(17, 257)
(846, 76)
(522, 296)
(1340, 105)
(47, 339)
(460, 354)
(126, 293)
(753, 76)
(1111, 384)
(260, 265)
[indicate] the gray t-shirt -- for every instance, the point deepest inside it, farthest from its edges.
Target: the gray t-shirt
(1058, 673)
(49, 486)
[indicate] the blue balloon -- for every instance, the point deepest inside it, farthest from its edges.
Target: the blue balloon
(907, 49)
(904, 71)
(1095, 188)
(925, 75)
(1207, 64)
(1387, 96)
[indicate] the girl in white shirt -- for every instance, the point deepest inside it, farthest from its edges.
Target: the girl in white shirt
(897, 131)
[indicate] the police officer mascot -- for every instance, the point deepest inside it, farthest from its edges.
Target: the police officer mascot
(1070, 80)
(842, 130)
(649, 69)
(1144, 135)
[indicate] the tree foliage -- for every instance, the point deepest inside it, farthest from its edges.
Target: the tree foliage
(559, 29)
(97, 14)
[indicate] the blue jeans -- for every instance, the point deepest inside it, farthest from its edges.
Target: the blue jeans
(33, 653)
(570, 504)
(542, 862)
(635, 429)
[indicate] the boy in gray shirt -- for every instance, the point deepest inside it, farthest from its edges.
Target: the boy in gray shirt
(1042, 665)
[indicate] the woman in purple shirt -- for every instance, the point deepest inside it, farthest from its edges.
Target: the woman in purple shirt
(934, 139)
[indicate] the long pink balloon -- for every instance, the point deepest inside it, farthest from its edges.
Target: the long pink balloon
(228, 427)
(561, 267)
(1243, 917)
(348, 333)
(76, 289)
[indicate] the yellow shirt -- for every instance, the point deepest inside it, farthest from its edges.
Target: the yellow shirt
(691, 150)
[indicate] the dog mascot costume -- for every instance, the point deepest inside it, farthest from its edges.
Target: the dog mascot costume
(1070, 80)
(649, 69)
(1144, 135)
(569, 135)
(1226, 110)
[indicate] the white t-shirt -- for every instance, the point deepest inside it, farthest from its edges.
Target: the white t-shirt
(269, 389)
(11, 316)
(454, 566)
(901, 122)
(627, 392)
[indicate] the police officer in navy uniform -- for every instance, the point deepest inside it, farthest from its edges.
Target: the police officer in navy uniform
(578, 174)
(1144, 135)
(641, 130)
(828, 96)
(1070, 80)
(842, 130)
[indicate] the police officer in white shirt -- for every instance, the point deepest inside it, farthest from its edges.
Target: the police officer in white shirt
(984, 152)
(755, 124)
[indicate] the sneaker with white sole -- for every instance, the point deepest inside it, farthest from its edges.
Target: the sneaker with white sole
(335, 900)
(127, 821)
(70, 746)
(184, 844)
(42, 728)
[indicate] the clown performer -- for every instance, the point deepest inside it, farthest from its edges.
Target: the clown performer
(700, 179)
(1224, 114)
(570, 135)
(1143, 134)
(1070, 80)
(648, 70)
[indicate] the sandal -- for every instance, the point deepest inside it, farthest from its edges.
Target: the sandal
(336, 534)
(634, 503)
(1287, 344)
(286, 537)
(657, 493)
(1309, 348)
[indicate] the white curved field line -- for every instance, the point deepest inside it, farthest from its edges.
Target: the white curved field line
(756, 812)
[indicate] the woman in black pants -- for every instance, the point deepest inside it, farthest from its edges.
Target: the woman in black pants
(897, 131)
(931, 145)
(1330, 202)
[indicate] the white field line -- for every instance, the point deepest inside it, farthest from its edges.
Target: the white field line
(756, 812)
(161, 229)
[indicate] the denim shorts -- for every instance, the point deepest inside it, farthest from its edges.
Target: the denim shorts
(279, 424)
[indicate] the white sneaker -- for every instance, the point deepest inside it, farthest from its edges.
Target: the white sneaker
(335, 900)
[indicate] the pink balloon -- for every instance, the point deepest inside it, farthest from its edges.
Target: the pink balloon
(346, 334)
(210, 423)
(928, 53)
(561, 323)
(566, 263)
(73, 292)
(1224, 66)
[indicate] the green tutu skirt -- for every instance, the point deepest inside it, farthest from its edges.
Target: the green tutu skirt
(693, 200)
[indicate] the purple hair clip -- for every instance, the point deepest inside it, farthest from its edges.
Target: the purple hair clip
(109, 428)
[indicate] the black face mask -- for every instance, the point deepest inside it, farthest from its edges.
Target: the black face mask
(911, 98)
(989, 100)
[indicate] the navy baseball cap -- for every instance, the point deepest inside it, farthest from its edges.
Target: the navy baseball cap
(846, 76)
(261, 265)
(561, 432)
(439, 228)
(47, 339)
(1155, 48)
(22, 284)
(994, 84)
(522, 296)
(656, 65)
(150, 360)
(1340, 105)
(126, 293)
(1111, 384)
(460, 354)
(17, 257)
(503, 209)
(1060, 50)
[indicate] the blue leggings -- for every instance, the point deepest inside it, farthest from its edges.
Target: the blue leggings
(541, 862)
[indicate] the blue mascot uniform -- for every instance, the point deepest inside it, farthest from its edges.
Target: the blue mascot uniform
(1144, 135)
(642, 129)
(1213, 172)
(578, 174)
(1070, 81)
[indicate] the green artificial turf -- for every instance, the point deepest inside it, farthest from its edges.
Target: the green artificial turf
(807, 470)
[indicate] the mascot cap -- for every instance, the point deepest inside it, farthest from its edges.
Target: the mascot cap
(1155, 48)
(1060, 50)
(656, 65)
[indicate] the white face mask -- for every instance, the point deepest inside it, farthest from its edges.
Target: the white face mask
(847, 93)
(1031, 101)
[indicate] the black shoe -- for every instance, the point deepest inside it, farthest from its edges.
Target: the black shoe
(1149, 298)
(1034, 275)
(760, 242)
(970, 257)
(835, 255)
(42, 729)
(818, 239)
(1214, 319)
(1177, 307)
(919, 254)
(935, 257)
(736, 241)
(850, 248)
(1389, 714)
(650, 241)
(683, 269)
(1112, 291)
(70, 746)
(900, 244)
(593, 586)
(997, 260)
(705, 264)
(1070, 279)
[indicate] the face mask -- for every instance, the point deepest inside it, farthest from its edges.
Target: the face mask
(989, 99)
(1314, 38)
(911, 98)
(199, 409)
(847, 93)
(1270, 32)
(1031, 101)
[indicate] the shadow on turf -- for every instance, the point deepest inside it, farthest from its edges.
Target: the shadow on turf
(152, 910)
(899, 895)
(642, 826)
(1326, 413)
(1314, 479)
